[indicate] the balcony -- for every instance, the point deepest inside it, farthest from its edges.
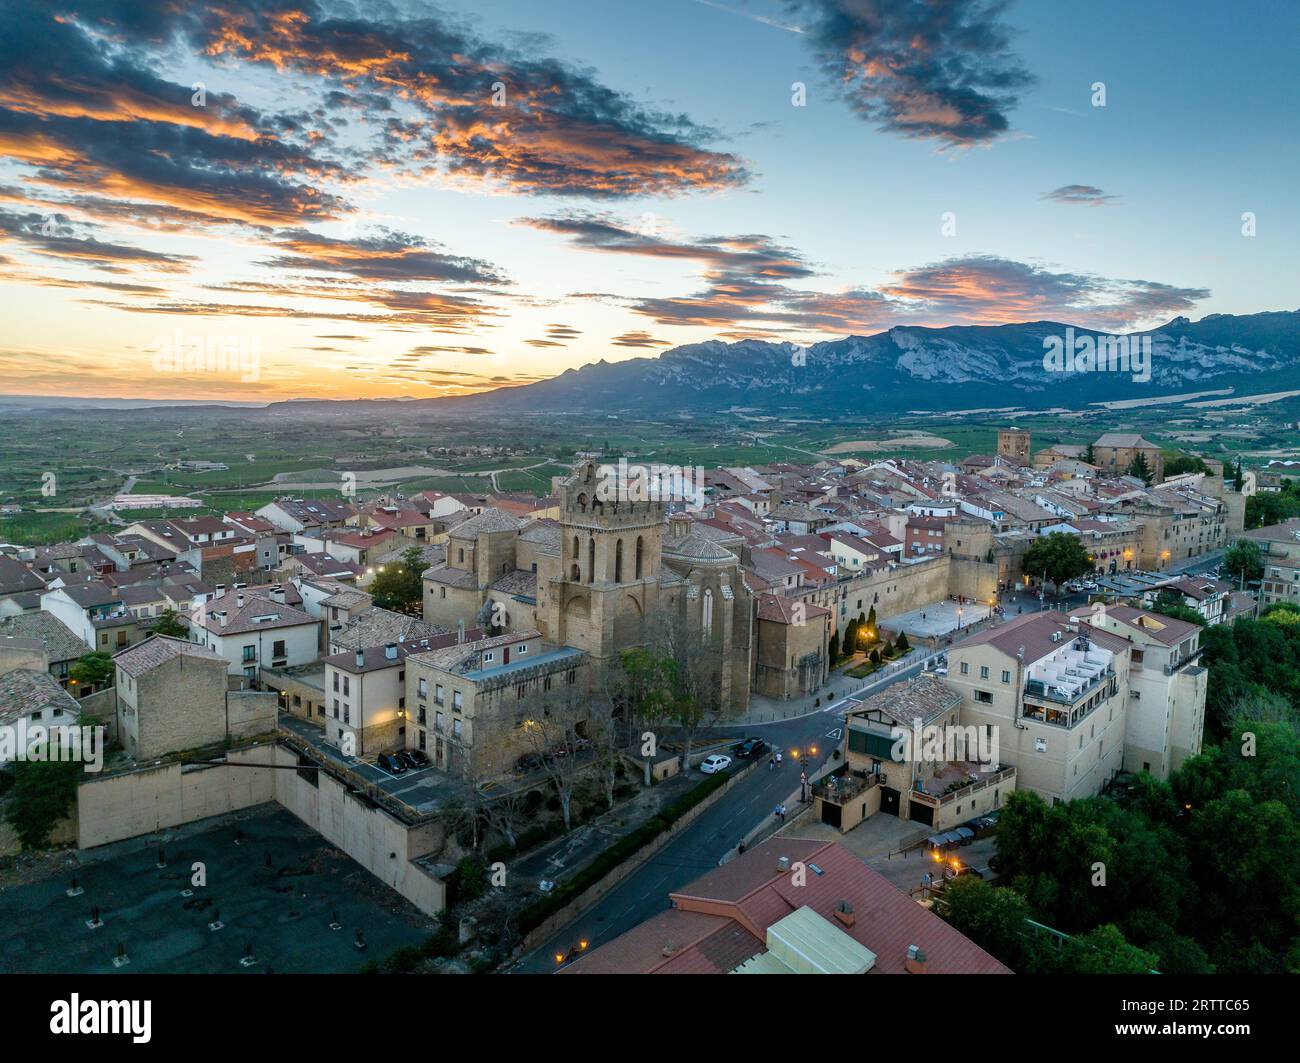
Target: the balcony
(1064, 694)
(840, 789)
(940, 800)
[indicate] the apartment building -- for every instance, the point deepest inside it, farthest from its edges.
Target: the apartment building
(1056, 692)
(251, 631)
(365, 693)
(1279, 547)
(470, 704)
(1166, 687)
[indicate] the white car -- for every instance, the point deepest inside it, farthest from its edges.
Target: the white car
(715, 763)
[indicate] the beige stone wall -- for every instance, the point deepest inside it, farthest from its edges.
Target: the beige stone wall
(381, 844)
(250, 713)
(128, 804)
(179, 705)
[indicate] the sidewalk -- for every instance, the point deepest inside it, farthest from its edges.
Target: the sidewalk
(838, 687)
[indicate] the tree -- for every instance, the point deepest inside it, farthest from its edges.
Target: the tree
(1139, 468)
(399, 586)
(1239, 478)
(1176, 463)
(552, 733)
(851, 638)
(94, 670)
(902, 645)
(1242, 562)
(992, 917)
(170, 624)
(833, 649)
(1060, 556)
(43, 792)
(694, 664)
(1104, 950)
(1171, 604)
(1089, 456)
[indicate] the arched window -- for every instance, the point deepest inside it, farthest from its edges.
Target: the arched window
(574, 574)
(591, 560)
(639, 548)
(707, 620)
(618, 561)
(582, 503)
(577, 550)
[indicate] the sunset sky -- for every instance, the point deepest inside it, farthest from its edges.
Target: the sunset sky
(403, 199)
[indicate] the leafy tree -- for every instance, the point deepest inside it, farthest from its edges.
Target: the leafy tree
(93, 671)
(1139, 468)
(169, 623)
(1105, 951)
(43, 793)
(1171, 604)
(1061, 556)
(1176, 464)
(1242, 561)
(399, 586)
(993, 918)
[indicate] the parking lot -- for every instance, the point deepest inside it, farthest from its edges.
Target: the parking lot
(275, 886)
(423, 789)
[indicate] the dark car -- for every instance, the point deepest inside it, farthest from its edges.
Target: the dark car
(750, 747)
(528, 762)
(415, 758)
(391, 763)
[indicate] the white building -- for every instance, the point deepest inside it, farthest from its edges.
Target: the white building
(251, 631)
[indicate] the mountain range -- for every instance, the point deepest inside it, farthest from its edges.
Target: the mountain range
(959, 367)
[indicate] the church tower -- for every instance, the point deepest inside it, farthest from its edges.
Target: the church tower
(611, 539)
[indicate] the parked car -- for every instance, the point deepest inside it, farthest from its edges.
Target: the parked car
(416, 759)
(528, 762)
(750, 747)
(715, 763)
(392, 763)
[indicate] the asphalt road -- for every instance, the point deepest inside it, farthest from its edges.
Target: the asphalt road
(704, 841)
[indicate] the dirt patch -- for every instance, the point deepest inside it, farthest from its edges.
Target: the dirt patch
(897, 443)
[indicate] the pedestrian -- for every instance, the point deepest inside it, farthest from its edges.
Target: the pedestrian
(740, 849)
(778, 757)
(771, 763)
(777, 812)
(781, 812)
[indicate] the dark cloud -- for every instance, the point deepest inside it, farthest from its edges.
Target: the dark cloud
(638, 339)
(384, 255)
(1085, 195)
(745, 290)
(470, 107)
(937, 70)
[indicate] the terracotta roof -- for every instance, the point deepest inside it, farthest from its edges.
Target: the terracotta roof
(781, 610)
(755, 894)
(925, 697)
(158, 650)
(24, 691)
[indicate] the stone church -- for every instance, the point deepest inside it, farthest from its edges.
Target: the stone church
(615, 568)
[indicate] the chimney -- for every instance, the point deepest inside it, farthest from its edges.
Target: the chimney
(221, 589)
(239, 600)
(844, 913)
(460, 632)
(277, 593)
(390, 651)
(783, 864)
(221, 618)
(915, 960)
(361, 659)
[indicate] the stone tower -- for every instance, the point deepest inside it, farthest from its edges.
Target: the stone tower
(611, 542)
(1013, 445)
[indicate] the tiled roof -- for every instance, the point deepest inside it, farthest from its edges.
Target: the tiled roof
(24, 691)
(160, 649)
(781, 610)
(256, 614)
(490, 520)
(925, 698)
(59, 643)
(376, 627)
